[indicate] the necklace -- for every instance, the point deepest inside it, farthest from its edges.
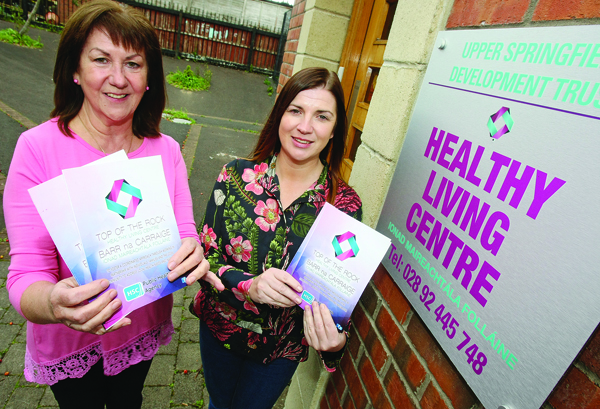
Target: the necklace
(98, 143)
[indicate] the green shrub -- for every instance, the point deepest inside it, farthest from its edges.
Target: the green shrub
(189, 80)
(12, 37)
(12, 14)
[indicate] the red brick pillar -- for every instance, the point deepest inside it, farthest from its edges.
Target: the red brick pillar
(291, 45)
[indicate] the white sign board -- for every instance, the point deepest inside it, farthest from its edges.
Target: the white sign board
(493, 209)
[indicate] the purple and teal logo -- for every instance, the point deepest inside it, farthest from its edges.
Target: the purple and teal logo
(123, 192)
(495, 124)
(345, 246)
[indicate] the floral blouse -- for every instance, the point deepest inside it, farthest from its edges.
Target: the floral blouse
(245, 232)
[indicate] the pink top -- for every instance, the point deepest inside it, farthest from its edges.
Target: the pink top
(54, 351)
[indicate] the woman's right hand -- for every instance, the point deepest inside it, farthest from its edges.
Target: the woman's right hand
(68, 305)
(66, 302)
(275, 287)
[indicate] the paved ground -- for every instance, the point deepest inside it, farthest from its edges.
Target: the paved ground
(228, 115)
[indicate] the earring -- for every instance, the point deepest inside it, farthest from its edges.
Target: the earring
(76, 81)
(147, 88)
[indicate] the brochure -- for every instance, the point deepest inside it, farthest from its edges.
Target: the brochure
(52, 202)
(127, 228)
(335, 262)
(120, 227)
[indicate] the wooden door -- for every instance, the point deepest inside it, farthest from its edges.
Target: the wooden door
(362, 59)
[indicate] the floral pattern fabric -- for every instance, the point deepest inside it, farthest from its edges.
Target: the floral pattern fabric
(245, 232)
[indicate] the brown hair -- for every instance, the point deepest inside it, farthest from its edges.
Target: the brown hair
(309, 78)
(126, 27)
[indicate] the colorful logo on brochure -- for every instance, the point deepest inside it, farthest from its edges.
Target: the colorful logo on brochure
(127, 193)
(345, 246)
(495, 124)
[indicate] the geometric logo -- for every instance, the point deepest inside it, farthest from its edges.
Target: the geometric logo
(497, 131)
(112, 198)
(348, 239)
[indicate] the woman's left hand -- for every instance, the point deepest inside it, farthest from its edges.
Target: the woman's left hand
(320, 330)
(190, 258)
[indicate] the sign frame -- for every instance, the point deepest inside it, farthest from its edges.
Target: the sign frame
(491, 206)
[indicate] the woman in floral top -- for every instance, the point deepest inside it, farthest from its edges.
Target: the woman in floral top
(253, 334)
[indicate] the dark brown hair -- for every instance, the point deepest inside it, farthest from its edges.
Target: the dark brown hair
(126, 27)
(333, 153)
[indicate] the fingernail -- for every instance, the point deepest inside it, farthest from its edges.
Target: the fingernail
(116, 305)
(171, 265)
(298, 301)
(104, 283)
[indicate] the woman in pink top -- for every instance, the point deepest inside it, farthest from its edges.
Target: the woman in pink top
(109, 95)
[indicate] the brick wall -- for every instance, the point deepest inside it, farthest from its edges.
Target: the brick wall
(291, 45)
(477, 13)
(393, 361)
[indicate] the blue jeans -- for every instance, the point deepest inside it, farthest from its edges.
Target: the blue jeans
(236, 382)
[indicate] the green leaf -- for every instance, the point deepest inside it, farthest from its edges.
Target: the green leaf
(248, 224)
(275, 247)
(302, 224)
(253, 262)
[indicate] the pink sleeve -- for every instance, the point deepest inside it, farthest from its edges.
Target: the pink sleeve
(182, 206)
(33, 254)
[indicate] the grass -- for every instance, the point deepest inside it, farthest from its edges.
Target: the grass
(250, 131)
(270, 89)
(189, 80)
(170, 114)
(12, 36)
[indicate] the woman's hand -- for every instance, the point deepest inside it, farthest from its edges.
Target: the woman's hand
(275, 287)
(66, 302)
(320, 330)
(190, 258)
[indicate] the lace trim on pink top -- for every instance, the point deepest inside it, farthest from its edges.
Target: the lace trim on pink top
(77, 364)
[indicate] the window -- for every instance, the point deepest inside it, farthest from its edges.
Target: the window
(388, 19)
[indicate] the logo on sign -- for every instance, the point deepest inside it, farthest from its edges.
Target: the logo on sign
(133, 291)
(345, 246)
(500, 123)
(123, 199)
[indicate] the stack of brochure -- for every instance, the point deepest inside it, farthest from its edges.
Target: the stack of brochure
(335, 262)
(113, 219)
